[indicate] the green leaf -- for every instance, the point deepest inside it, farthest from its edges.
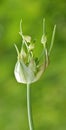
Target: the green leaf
(52, 40)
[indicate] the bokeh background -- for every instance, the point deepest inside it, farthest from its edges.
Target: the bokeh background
(48, 95)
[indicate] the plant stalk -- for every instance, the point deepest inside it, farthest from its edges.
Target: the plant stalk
(30, 121)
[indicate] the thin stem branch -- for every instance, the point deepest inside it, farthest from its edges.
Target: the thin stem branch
(44, 28)
(30, 121)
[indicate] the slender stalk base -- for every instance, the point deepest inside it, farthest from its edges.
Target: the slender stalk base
(29, 108)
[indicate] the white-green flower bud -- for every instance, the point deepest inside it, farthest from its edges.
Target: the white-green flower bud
(28, 69)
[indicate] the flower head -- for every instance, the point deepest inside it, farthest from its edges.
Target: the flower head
(28, 69)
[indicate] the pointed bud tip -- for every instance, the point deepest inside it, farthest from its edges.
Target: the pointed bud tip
(55, 27)
(20, 21)
(43, 20)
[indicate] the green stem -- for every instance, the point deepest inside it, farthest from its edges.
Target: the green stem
(29, 108)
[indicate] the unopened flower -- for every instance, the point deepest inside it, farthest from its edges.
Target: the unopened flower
(28, 69)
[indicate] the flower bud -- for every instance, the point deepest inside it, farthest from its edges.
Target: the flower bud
(28, 69)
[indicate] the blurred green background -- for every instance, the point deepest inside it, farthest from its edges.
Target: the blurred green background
(48, 95)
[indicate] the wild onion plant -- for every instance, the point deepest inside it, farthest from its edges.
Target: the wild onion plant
(28, 68)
